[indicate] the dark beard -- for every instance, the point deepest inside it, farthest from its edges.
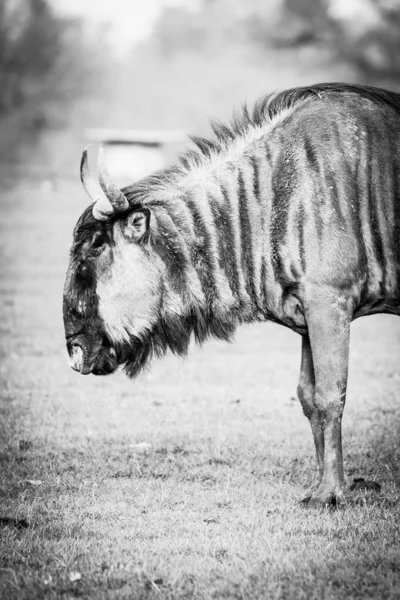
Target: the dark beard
(174, 334)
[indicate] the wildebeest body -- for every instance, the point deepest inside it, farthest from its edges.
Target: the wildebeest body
(336, 199)
(290, 214)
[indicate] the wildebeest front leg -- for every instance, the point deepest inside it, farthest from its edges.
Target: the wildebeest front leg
(306, 392)
(328, 322)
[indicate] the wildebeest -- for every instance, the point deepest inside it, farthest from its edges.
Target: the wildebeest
(290, 214)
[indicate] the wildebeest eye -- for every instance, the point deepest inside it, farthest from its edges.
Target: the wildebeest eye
(98, 243)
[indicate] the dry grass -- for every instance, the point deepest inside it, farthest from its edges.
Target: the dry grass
(211, 509)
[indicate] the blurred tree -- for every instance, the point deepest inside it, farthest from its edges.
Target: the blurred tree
(209, 58)
(367, 32)
(46, 66)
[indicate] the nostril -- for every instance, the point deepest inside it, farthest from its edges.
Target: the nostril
(70, 337)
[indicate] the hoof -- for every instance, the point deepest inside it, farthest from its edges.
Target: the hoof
(362, 484)
(324, 500)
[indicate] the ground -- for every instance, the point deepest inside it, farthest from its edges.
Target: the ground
(184, 483)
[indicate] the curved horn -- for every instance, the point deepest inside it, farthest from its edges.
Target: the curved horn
(102, 208)
(114, 195)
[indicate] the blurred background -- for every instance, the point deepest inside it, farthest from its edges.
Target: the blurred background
(138, 76)
(73, 71)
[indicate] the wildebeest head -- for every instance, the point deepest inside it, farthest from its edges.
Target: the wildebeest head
(113, 283)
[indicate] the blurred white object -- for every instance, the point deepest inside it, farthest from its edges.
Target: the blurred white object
(141, 448)
(132, 162)
(133, 154)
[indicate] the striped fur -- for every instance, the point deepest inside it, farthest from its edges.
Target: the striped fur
(304, 190)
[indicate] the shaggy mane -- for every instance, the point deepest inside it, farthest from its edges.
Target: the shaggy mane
(264, 111)
(157, 190)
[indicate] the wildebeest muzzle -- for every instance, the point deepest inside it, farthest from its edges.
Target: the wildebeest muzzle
(81, 355)
(87, 355)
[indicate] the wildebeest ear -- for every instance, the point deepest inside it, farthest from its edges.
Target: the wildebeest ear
(137, 224)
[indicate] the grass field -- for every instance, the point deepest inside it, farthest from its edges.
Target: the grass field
(185, 482)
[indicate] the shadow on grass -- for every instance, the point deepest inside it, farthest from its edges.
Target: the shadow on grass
(379, 460)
